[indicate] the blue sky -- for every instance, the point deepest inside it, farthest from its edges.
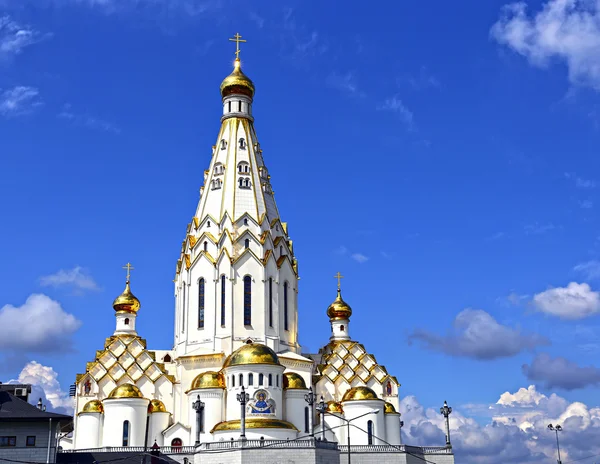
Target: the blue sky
(444, 159)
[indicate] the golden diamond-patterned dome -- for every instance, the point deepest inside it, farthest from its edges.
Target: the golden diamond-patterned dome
(339, 309)
(209, 379)
(252, 353)
(127, 301)
(293, 381)
(237, 82)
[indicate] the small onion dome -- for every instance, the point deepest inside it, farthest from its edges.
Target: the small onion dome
(237, 82)
(293, 381)
(156, 406)
(389, 408)
(339, 309)
(209, 379)
(359, 393)
(254, 423)
(126, 301)
(252, 353)
(126, 391)
(334, 407)
(93, 406)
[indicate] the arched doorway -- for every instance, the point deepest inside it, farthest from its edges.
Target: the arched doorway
(176, 444)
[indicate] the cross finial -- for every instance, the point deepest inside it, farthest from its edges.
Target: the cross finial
(237, 38)
(339, 278)
(129, 268)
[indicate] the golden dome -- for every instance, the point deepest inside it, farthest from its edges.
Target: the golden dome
(389, 408)
(93, 406)
(293, 381)
(334, 407)
(339, 309)
(126, 301)
(359, 393)
(156, 406)
(252, 353)
(254, 423)
(237, 82)
(209, 379)
(125, 391)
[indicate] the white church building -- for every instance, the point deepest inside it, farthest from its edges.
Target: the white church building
(236, 376)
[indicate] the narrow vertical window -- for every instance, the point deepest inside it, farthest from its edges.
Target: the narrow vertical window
(276, 380)
(270, 301)
(240, 106)
(270, 380)
(247, 300)
(230, 107)
(201, 304)
(222, 300)
(285, 306)
(250, 379)
(245, 221)
(184, 308)
(233, 380)
(205, 246)
(126, 433)
(261, 379)
(306, 413)
(246, 243)
(126, 321)
(241, 380)
(370, 432)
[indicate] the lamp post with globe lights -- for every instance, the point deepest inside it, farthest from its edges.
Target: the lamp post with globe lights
(243, 398)
(310, 399)
(198, 406)
(556, 428)
(446, 411)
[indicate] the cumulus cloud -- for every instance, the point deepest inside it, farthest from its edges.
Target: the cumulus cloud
(395, 105)
(15, 37)
(564, 30)
(77, 278)
(513, 431)
(19, 101)
(360, 258)
(40, 324)
(590, 269)
(476, 334)
(575, 301)
(45, 385)
(560, 373)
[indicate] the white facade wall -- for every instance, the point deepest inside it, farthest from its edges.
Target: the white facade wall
(90, 424)
(392, 429)
(340, 330)
(358, 432)
(158, 422)
(257, 434)
(295, 406)
(125, 323)
(213, 399)
(119, 410)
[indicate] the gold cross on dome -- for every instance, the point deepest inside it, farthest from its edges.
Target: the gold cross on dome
(339, 278)
(129, 268)
(237, 38)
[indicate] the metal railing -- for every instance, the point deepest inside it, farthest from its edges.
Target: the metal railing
(134, 449)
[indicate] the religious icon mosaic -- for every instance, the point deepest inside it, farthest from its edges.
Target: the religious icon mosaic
(261, 404)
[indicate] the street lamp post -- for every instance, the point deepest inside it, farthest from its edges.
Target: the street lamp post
(321, 407)
(310, 399)
(556, 428)
(401, 425)
(243, 398)
(347, 421)
(198, 406)
(446, 411)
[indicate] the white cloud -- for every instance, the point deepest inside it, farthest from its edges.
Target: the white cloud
(14, 37)
(40, 324)
(345, 83)
(516, 299)
(513, 430)
(341, 250)
(579, 181)
(19, 101)
(476, 334)
(45, 385)
(85, 120)
(564, 30)
(360, 258)
(575, 301)
(559, 372)
(537, 229)
(590, 269)
(77, 278)
(586, 204)
(396, 105)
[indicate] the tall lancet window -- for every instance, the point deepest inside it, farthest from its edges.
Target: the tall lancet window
(270, 301)
(222, 300)
(126, 433)
(285, 306)
(201, 304)
(247, 300)
(370, 432)
(184, 309)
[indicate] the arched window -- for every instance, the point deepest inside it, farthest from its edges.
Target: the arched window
(240, 109)
(247, 243)
(229, 109)
(245, 221)
(223, 144)
(341, 328)
(270, 301)
(219, 169)
(247, 300)
(222, 300)
(285, 306)
(247, 183)
(205, 246)
(276, 380)
(250, 379)
(306, 421)
(370, 432)
(261, 379)
(177, 443)
(207, 223)
(270, 380)
(241, 380)
(241, 182)
(126, 433)
(243, 167)
(126, 321)
(201, 303)
(233, 380)
(242, 140)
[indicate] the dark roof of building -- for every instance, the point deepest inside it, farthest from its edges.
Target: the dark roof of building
(11, 387)
(13, 408)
